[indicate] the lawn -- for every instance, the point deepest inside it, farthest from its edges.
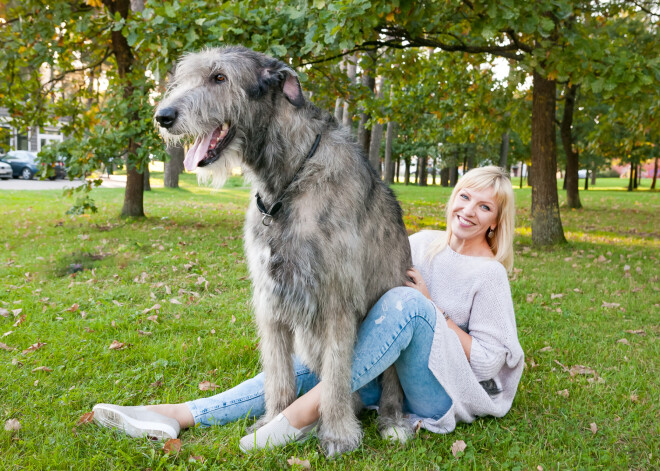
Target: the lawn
(173, 289)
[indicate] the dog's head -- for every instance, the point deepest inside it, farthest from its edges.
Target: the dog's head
(222, 97)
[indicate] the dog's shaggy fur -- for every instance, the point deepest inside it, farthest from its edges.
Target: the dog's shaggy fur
(337, 244)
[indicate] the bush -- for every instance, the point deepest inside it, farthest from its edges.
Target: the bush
(611, 173)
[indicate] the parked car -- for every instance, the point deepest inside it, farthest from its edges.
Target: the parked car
(5, 171)
(59, 170)
(23, 163)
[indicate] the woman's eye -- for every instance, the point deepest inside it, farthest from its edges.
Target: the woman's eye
(219, 78)
(464, 196)
(485, 208)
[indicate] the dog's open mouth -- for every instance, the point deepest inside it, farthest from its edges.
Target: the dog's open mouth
(208, 149)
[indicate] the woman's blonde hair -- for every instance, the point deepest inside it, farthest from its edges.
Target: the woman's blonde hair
(481, 179)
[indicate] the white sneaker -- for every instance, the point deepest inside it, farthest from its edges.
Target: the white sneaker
(277, 432)
(136, 421)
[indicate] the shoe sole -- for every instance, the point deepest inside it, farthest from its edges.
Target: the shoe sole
(115, 419)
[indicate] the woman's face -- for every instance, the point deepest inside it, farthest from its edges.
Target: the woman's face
(472, 213)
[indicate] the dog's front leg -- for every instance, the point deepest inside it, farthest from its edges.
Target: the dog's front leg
(340, 430)
(391, 422)
(276, 346)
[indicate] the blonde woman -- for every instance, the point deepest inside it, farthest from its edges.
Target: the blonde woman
(451, 334)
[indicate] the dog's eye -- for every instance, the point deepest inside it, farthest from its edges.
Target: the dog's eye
(219, 78)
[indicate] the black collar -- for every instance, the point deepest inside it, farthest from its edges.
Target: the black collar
(269, 214)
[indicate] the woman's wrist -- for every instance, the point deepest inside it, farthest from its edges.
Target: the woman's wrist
(444, 314)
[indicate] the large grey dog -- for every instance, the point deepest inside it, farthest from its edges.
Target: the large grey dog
(324, 236)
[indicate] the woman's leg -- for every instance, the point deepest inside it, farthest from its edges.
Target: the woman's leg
(244, 400)
(398, 330)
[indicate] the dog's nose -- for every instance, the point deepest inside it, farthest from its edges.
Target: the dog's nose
(166, 117)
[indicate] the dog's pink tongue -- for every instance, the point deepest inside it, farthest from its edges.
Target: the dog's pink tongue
(197, 152)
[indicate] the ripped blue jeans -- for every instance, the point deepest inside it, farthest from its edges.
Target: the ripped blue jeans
(398, 330)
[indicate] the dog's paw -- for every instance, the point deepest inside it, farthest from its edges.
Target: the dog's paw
(397, 433)
(335, 444)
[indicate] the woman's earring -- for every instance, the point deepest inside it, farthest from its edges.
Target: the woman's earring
(491, 233)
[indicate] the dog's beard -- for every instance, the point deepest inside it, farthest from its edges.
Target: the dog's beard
(215, 175)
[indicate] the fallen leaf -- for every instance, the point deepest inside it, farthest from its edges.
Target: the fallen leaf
(233, 319)
(207, 385)
(42, 368)
(601, 258)
(12, 425)
(6, 347)
(546, 349)
(142, 332)
(157, 384)
(155, 307)
(15, 361)
(418, 426)
(634, 397)
(85, 419)
(626, 268)
(577, 290)
(457, 447)
(9, 332)
(20, 320)
(623, 341)
(33, 347)
(563, 393)
(88, 330)
(4, 312)
(636, 332)
(175, 301)
(172, 445)
(530, 297)
(610, 305)
(153, 318)
(115, 345)
(293, 461)
(16, 312)
(555, 296)
(168, 290)
(593, 427)
(201, 459)
(73, 308)
(539, 468)
(117, 303)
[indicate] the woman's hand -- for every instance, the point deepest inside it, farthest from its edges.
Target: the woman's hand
(417, 282)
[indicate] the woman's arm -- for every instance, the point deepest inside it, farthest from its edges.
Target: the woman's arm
(420, 285)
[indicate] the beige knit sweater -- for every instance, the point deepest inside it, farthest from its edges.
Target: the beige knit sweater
(475, 293)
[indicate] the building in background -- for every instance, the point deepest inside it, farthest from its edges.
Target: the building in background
(33, 140)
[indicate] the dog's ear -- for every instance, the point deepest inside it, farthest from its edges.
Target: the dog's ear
(281, 75)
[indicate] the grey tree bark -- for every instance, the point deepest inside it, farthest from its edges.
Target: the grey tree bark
(351, 65)
(376, 134)
(369, 81)
(504, 150)
(174, 166)
(389, 163)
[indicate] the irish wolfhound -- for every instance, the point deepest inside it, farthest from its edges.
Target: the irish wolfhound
(324, 236)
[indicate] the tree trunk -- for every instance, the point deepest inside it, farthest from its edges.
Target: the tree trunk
(572, 181)
(635, 185)
(347, 119)
(376, 135)
(546, 221)
(655, 173)
(453, 176)
(638, 173)
(434, 169)
(134, 193)
(368, 80)
(521, 174)
(444, 177)
(406, 177)
(593, 175)
(146, 185)
(339, 109)
(586, 181)
(397, 173)
(422, 170)
(504, 149)
(173, 166)
(471, 157)
(630, 180)
(133, 196)
(389, 139)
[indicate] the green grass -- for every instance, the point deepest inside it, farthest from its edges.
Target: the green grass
(194, 235)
